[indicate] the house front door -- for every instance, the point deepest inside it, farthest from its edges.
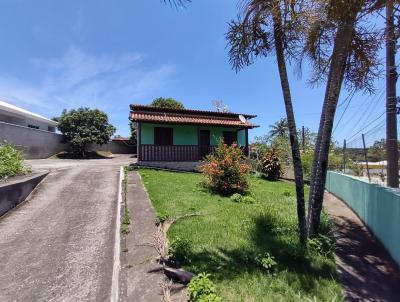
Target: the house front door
(204, 143)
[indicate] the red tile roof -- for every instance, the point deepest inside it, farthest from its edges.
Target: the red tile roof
(142, 113)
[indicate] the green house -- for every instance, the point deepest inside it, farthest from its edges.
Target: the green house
(183, 135)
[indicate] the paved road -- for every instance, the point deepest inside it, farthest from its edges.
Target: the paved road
(58, 246)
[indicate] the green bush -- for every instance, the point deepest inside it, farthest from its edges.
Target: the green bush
(267, 262)
(248, 199)
(161, 218)
(202, 289)
(83, 126)
(321, 244)
(226, 172)
(271, 166)
(236, 197)
(180, 249)
(169, 103)
(11, 162)
(242, 199)
(307, 157)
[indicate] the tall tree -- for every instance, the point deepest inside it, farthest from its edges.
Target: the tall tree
(352, 60)
(169, 103)
(264, 27)
(392, 152)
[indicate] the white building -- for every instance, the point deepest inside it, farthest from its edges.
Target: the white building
(17, 116)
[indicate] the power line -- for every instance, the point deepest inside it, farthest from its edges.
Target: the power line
(359, 131)
(348, 99)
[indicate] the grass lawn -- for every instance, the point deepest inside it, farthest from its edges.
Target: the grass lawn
(228, 237)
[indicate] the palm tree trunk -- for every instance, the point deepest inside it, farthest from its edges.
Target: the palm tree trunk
(320, 164)
(297, 167)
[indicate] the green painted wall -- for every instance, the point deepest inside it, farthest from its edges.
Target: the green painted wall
(182, 134)
(377, 206)
(187, 135)
(217, 132)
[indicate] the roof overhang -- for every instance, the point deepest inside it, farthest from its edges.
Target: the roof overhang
(175, 119)
(148, 114)
(25, 113)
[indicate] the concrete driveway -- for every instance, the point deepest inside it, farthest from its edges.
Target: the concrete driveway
(58, 246)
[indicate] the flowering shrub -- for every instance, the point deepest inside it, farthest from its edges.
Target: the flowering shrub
(271, 166)
(225, 171)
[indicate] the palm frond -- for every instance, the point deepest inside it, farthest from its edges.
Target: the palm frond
(177, 3)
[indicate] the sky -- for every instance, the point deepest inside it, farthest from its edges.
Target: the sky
(109, 54)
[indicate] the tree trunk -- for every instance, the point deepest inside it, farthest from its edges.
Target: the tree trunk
(297, 167)
(320, 163)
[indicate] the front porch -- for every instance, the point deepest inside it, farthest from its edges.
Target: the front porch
(186, 153)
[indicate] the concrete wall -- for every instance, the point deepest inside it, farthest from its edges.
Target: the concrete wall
(33, 142)
(115, 147)
(14, 192)
(377, 206)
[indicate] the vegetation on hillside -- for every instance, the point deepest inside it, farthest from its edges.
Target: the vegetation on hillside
(11, 162)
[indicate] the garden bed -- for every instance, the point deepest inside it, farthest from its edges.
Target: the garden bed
(229, 238)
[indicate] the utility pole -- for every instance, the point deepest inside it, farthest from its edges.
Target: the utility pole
(366, 157)
(344, 157)
(392, 152)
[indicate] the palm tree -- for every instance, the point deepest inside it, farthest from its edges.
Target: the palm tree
(352, 60)
(280, 128)
(267, 26)
(177, 3)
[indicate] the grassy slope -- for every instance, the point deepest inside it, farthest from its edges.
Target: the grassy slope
(229, 236)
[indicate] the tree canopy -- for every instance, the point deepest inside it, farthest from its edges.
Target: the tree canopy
(169, 103)
(84, 126)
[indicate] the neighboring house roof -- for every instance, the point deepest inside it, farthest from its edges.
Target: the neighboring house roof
(142, 113)
(25, 113)
(120, 139)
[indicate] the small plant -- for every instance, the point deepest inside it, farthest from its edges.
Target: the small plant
(11, 162)
(271, 166)
(321, 244)
(161, 218)
(226, 172)
(248, 199)
(287, 193)
(296, 252)
(202, 289)
(267, 262)
(236, 197)
(242, 199)
(125, 227)
(180, 249)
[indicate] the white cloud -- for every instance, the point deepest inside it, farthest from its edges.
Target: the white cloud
(109, 82)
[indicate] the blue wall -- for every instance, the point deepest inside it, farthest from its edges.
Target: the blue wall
(377, 206)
